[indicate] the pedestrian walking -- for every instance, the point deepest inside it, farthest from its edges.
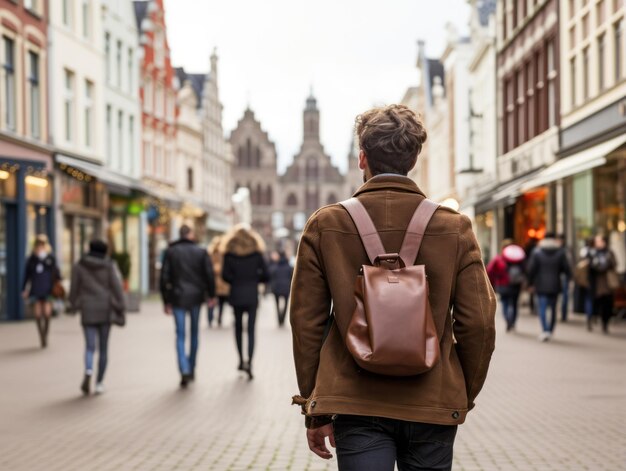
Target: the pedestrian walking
(546, 266)
(42, 275)
(407, 408)
(529, 248)
(603, 281)
(582, 279)
(222, 289)
(96, 292)
(565, 279)
(187, 282)
(281, 273)
(244, 269)
(507, 277)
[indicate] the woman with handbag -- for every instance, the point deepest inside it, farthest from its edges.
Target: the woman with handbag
(603, 281)
(97, 293)
(43, 280)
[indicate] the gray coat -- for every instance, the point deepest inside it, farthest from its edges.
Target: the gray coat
(96, 290)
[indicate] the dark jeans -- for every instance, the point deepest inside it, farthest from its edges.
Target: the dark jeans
(603, 307)
(281, 312)
(239, 312)
(221, 300)
(509, 308)
(564, 298)
(101, 332)
(376, 444)
(547, 301)
(186, 363)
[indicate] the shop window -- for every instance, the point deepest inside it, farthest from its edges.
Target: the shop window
(8, 184)
(38, 189)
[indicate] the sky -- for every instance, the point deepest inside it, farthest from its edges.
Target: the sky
(354, 54)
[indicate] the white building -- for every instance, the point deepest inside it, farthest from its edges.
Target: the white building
(218, 158)
(76, 71)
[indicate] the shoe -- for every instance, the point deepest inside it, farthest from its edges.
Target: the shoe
(192, 376)
(544, 336)
(85, 387)
(184, 380)
(241, 367)
(248, 369)
(99, 388)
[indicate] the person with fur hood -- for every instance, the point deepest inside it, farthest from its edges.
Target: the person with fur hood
(244, 269)
(222, 289)
(547, 263)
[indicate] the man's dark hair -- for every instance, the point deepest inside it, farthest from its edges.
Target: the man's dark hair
(391, 137)
(98, 248)
(185, 231)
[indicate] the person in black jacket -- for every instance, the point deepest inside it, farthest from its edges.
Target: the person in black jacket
(244, 269)
(602, 265)
(187, 281)
(547, 263)
(281, 273)
(42, 272)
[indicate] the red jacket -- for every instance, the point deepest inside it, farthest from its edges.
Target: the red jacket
(497, 270)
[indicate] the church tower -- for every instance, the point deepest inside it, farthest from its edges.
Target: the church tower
(311, 120)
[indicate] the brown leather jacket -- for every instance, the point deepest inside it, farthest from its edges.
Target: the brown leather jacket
(462, 300)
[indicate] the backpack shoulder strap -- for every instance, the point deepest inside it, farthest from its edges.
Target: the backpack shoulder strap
(415, 231)
(367, 231)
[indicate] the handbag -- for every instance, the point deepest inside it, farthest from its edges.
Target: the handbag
(57, 291)
(118, 317)
(581, 273)
(612, 280)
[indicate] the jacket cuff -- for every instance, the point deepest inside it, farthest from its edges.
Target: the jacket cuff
(317, 421)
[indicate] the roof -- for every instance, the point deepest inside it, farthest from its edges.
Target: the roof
(141, 9)
(197, 82)
(486, 8)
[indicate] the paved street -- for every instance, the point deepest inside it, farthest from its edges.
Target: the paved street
(555, 406)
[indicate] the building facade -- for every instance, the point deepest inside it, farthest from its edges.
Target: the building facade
(311, 181)
(26, 169)
(126, 227)
(528, 84)
(256, 169)
(218, 157)
(158, 128)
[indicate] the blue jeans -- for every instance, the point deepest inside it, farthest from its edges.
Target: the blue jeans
(547, 301)
(100, 331)
(564, 297)
(376, 444)
(509, 308)
(186, 363)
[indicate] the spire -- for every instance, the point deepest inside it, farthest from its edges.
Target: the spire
(311, 102)
(214, 59)
(311, 119)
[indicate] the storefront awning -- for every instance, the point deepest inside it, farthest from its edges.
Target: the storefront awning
(582, 161)
(122, 184)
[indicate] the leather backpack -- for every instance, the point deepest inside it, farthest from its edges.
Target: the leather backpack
(392, 331)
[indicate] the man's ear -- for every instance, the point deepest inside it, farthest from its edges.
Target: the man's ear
(363, 165)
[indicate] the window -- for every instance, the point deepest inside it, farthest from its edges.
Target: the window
(68, 107)
(67, 13)
(158, 160)
(32, 5)
(572, 74)
(34, 94)
(519, 105)
(131, 69)
(619, 49)
(109, 135)
(585, 26)
(89, 114)
(585, 73)
(107, 55)
(118, 64)
(9, 83)
(86, 18)
(572, 37)
(601, 61)
(530, 99)
(600, 12)
(171, 107)
(190, 179)
(131, 140)
(147, 157)
(120, 136)
(159, 99)
(311, 168)
(148, 95)
(292, 200)
(509, 111)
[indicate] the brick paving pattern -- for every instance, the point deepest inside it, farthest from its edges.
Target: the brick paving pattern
(546, 406)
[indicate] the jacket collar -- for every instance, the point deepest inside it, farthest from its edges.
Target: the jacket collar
(389, 181)
(183, 241)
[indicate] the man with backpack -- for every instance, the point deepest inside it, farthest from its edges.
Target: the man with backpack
(392, 313)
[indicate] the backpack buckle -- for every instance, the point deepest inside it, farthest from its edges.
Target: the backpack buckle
(390, 261)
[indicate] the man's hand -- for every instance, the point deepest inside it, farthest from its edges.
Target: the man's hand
(317, 440)
(167, 309)
(212, 302)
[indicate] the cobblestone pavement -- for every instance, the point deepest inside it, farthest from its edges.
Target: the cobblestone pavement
(546, 406)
